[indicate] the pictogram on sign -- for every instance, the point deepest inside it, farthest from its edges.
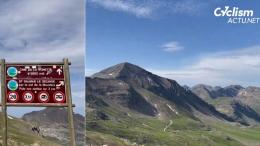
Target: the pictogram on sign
(59, 97)
(28, 96)
(12, 85)
(12, 97)
(43, 97)
(12, 71)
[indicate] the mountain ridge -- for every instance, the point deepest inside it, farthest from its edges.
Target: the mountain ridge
(136, 77)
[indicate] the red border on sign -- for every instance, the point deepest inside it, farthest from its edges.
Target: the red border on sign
(40, 99)
(11, 100)
(27, 100)
(56, 100)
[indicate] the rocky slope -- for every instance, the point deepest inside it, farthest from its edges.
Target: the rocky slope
(20, 133)
(251, 97)
(53, 124)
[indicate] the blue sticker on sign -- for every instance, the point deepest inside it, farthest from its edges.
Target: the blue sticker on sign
(12, 71)
(12, 85)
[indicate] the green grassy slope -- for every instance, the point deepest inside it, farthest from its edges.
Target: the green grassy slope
(249, 136)
(130, 129)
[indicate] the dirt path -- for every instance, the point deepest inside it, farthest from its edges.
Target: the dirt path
(167, 126)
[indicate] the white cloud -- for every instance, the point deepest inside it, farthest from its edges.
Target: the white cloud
(125, 6)
(191, 7)
(241, 66)
(42, 30)
(151, 8)
(45, 30)
(172, 46)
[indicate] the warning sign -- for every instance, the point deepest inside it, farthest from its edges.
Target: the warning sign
(35, 84)
(28, 96)
(13, 96)
(59, 97)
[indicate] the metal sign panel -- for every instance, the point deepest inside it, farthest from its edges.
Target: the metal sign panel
(35, 84)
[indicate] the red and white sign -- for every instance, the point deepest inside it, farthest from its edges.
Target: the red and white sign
(44, 97)
(28, 96)
(35, 84)
(12, 97)
(59, 97)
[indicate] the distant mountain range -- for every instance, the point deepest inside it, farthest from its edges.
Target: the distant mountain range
(235, 101)
(208, 92)
(124, 100)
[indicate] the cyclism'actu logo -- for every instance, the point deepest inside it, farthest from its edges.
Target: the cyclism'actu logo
(236, 15)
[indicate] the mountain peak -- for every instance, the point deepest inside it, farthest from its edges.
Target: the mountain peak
(237, 87)
(124, 69)
(129, 66)
(203, 86)
(126, 64)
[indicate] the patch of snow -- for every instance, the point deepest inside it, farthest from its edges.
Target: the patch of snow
(129, 115)
(128, 142)
(172, 109)
(149, 80)
(110, 74)
(10, 117)
(244, 93)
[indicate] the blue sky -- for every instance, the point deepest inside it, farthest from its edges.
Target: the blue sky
(177, 39)
(45, 31)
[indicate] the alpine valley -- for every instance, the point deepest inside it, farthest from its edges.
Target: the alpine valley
(129, 106)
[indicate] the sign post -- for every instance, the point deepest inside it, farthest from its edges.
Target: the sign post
(70, 108)
(3, 95)
(37, 85)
